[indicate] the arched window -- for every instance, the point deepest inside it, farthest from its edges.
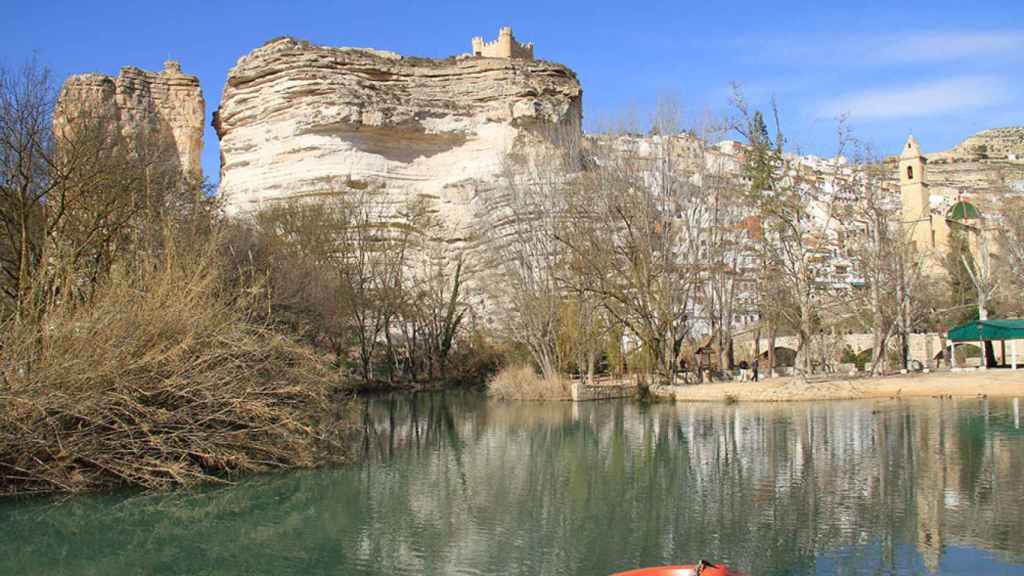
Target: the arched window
(910, 172)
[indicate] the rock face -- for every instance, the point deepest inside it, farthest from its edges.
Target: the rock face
(301, 120)
(154, 106)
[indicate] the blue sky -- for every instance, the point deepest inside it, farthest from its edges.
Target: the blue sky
(942, 70)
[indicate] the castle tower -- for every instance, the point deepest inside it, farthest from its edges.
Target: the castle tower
(172, 67)
(505, 41)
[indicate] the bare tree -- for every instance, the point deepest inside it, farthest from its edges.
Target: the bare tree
(26, 176)
(798, 208)
(77, 194)
(520, 235)
(363, 278)
(640, 219)
(885, 256)
(729, 244)
(427, 292)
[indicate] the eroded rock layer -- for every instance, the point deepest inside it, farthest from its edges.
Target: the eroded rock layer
(300, 120)
(994, 143)
(144, 107)
(983, 164)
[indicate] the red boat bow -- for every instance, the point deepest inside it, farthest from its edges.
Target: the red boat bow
(704, 568)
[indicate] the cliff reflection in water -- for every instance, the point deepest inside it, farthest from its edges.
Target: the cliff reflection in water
(454, 484)
(798, 488)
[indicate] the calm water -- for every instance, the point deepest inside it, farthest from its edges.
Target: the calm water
(457, 485)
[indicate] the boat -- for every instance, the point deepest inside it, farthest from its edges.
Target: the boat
(702, 568)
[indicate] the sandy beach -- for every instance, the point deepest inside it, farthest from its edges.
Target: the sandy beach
(995, 383)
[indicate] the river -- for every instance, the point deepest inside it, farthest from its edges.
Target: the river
(454, 484)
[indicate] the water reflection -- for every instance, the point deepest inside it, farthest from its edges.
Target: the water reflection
(456, 485)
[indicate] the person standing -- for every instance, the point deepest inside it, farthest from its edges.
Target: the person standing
(754, 367)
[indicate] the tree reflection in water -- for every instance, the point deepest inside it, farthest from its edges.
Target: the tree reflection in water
(454, 484)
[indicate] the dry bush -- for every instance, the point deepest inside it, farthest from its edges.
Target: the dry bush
(523, 383)
(159, 380)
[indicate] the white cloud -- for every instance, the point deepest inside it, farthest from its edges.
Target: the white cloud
(944, 46)
(889, 49)
(927, 99)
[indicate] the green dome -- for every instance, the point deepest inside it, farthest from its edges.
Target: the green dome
(963, 211)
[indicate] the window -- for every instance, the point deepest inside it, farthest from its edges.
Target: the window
(910, 172)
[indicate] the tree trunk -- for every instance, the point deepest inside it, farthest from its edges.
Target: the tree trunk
(757, 342)
(878, 317)
(23, 265)
(804, 352)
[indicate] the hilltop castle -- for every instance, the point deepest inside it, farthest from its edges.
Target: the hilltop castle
(505, 46)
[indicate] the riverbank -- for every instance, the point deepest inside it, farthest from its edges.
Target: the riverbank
(997, 383)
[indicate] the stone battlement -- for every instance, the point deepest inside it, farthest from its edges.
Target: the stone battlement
(505, 46)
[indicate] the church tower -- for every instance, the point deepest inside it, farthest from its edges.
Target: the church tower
(914, 195)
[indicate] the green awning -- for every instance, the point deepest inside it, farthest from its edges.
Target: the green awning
(1010, 329)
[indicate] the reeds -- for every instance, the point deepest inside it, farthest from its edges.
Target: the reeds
(161, 379)
(523, 383)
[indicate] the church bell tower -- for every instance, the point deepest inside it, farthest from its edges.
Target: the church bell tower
(914, 195)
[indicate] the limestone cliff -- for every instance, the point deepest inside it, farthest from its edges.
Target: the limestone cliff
(298, 119)
(153, 106)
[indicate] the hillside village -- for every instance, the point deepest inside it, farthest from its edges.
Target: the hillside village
(298, 121)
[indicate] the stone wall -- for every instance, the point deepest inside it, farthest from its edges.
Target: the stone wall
(583, 392)
(923, 347)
